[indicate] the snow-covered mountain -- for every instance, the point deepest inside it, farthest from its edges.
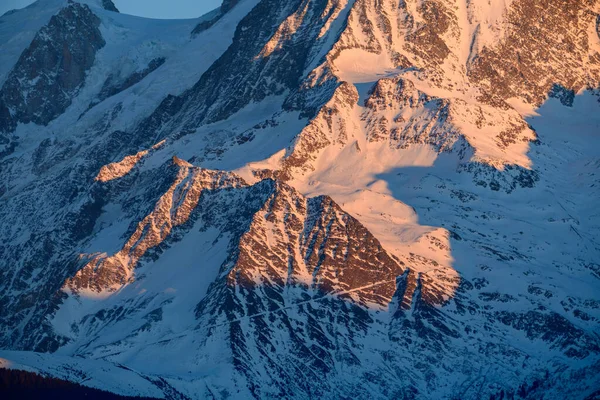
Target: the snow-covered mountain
(304, 199)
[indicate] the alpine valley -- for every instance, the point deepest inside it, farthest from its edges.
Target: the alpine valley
(304, 199)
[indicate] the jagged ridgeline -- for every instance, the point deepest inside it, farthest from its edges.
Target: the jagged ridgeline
(303, 199)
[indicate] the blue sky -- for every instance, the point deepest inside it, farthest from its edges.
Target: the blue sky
(145, 8)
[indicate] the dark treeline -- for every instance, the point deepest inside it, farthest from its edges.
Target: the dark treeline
(28, 385)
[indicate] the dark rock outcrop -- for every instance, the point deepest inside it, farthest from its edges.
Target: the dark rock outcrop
(109, 5)
(52, 69)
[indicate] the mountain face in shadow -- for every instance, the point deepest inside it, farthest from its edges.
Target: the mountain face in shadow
(29, 385)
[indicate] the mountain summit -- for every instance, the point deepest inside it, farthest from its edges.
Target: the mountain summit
(304, 199)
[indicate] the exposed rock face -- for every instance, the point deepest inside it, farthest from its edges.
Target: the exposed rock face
(267, 58)
(310, 199)
(52, 69)
(123, 167)
(328, 127)
(109, 5)
(172, 210)
(315, 245)
(210, 20)
(525, 63)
